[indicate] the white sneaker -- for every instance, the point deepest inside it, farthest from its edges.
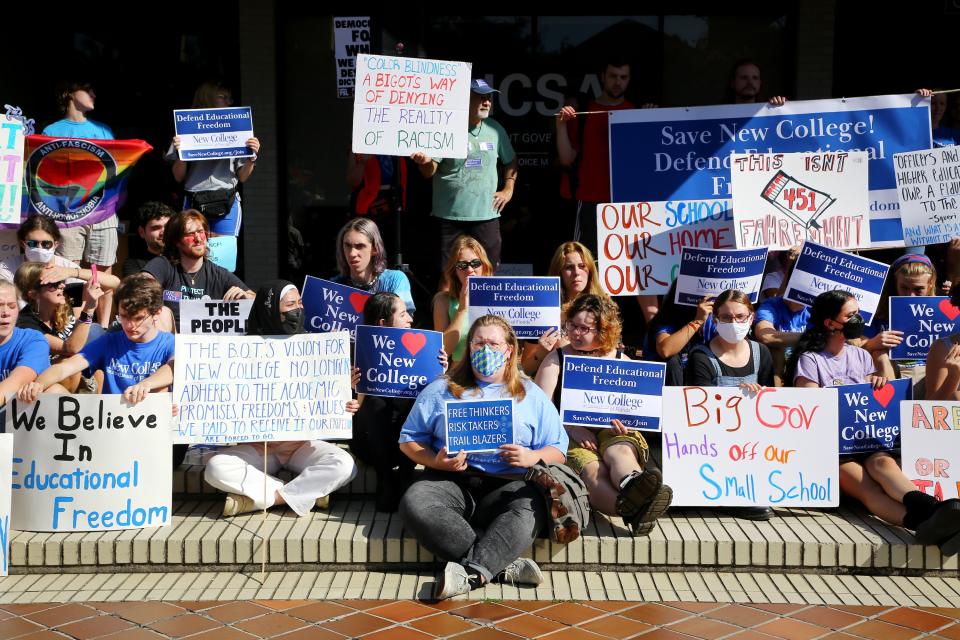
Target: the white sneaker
(453, 582)
(521, 571)
(235, 504)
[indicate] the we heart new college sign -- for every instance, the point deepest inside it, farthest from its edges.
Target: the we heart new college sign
(397, 363)
(328, 306)
(923, 320)
(869, 419)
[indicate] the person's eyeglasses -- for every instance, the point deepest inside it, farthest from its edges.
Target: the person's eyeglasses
(53, 285)
(463, 265)
(199, 233)
(33, 244)
(739, 319)
(575, 329)
(496, 346)
(133, 322)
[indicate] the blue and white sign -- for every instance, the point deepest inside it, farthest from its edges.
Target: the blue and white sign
(870, 418)
(820, 269)
(598, 390)
(706, 272)
(478, 426)
(530, 305)
(685, 153)
(397, 363)
(212, 134)
(6, 480)
(223, 252)
(923, 320)
(328, 306)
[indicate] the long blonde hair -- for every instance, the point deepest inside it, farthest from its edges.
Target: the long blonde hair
(593, 281)
(449, 282)
(462, 378)
(27, 280)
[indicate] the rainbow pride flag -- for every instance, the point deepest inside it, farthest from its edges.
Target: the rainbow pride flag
(76, 181)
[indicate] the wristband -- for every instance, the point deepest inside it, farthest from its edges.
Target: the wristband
(85, 318)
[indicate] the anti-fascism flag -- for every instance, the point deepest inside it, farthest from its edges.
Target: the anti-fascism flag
(76, 181)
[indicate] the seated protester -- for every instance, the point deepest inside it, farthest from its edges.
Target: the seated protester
(362, 261)
(779, 322)
(675, 330)
(183, 271)
(152, 218)
(943, 363)
(822, 358)
(24, 353)
(613, 463)
(476, 511)
(450, 310)
(376, 427)
(321, 467)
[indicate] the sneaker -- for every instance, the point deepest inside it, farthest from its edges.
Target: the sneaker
(236, 504)
(636, 492)
(942, 528)
(521, 571)
(453, 582)
(643, 521)
(323, 502)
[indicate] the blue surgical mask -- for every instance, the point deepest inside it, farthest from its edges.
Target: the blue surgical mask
(487, 361)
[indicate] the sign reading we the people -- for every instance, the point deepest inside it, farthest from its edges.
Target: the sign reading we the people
(639, 244)
(254, 388)
(397, 363)
(530, 305)
(212, 134)
(351, 36)
(598, 390)
(478, 426)
(328, 306)
(11, 169)
(775, 448)
(709, 272)
(90, 462)
(405, 105)
(220, 317)
(930, 446)
(923, 320)
(928, 186)
(782, 199)
(870, 418)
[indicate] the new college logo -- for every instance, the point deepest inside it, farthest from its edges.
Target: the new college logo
(66, 178)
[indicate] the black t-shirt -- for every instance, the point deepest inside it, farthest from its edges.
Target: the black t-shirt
(211, 282)
(700, 371)
(28, 319)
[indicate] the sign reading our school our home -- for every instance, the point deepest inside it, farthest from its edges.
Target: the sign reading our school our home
(530, 305)
(397, 363)
(870, 418)
(708, 272)
(478, 426)
(328, 306)
(923, 320)
(598, 390)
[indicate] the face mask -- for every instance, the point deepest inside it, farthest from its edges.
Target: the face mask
(853, 328)
(292, 321)
(487, 361)
(733, 332)
(39, 254)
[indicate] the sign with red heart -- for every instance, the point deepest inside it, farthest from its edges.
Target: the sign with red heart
(923, 320)
(330, 306)
(397, 363)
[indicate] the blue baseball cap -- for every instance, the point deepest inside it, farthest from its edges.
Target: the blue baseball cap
(481, 87)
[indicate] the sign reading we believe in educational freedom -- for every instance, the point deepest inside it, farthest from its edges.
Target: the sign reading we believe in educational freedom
(782, 199)
(530, 305)
(350, 37)
(211, 134)
(598, 390)
(820, 269)
(923, 320)
(254, 388)
(684, 153)
(870, 418)
(930, 446)
(706, 272)
(928, 185)
(90, 462)
(222, 317)
(478, 426)
(397, 363)
(11, 169)
(6, 475)
(405, 105)
(328, 306)
(775, 448)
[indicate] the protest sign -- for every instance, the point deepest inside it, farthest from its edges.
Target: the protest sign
(90, 462)
(256, 388)
(215, 316)
(11, 169)
(405, 105)
(212, 134)
(350, 37)
(514, 269)
(684, 153)
(222, 251)
(478, 426)
(776, 448)
(328, 306)
(707, 272)
(6, 480)
(598, 390)
(397, 363)
(923, 320)
(929, 446)
(820, 269)
(530, 305)
(870, 418)
(928, 188)
(782, 199)
(640, 243)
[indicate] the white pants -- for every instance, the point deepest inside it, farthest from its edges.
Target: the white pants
(322, 467)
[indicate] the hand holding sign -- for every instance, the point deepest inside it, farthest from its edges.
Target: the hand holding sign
(445, 462)
(518, 455)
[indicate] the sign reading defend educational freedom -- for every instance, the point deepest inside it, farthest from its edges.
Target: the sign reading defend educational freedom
(256, 388)
(530, 305)
(405, 105)
(708, 272)
(11, 169)
(928, 186)
(923, 320)
(598, 390)
(870, 418)
(684, 153)
(6, 474)
(820, 269)
(328, 306)
(219, 317)
(397, 363)
(640, 243)
(782, 199)
(350, 37)
(90, 462)
(478, 426)
(930, 446)
(776, 448)
(212, 134)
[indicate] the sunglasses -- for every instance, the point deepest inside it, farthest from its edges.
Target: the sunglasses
(463, 265)
(53, 285)
(33, 244)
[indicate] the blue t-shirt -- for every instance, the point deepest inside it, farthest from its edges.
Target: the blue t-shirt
(390, 280)
(25, 348)
(776, 312)
(90, 129)
(124, 362)
(703, 336)
(535, 419)
(945, 137)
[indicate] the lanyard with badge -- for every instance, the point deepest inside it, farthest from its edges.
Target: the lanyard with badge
(476, 162)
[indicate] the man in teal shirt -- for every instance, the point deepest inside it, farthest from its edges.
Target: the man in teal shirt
(465, 195)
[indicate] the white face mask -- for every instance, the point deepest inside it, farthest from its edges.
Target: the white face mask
(39, 254)
(733, 332)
